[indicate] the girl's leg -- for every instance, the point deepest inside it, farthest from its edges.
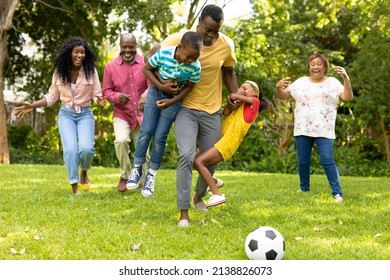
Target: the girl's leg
(210, 157)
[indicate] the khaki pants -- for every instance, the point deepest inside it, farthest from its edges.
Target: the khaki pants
(122, 139)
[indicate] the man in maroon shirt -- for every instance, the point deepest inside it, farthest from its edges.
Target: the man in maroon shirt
(125, 87)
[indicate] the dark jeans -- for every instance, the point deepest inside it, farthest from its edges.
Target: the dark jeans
(304, 146)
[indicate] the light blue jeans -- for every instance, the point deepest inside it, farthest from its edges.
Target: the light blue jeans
(77, 138)
(304, 146)
(156, 123)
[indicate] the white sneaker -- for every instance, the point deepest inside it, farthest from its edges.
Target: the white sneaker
(215, 200)
(219, 184)
(338, 198)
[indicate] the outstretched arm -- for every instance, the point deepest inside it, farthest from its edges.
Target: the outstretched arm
(22, 110)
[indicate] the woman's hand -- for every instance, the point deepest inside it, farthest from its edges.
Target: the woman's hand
(101, 101)
(341, 71)
(283, 83)
(22, 110)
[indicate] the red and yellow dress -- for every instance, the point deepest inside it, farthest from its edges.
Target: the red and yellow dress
(235, 127)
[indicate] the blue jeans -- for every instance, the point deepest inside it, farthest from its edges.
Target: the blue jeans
(156, 123)
(304, 146)
(77, 138)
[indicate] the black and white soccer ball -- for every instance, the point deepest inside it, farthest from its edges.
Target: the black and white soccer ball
(265, 243)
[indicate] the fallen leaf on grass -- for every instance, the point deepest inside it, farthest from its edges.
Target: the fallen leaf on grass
(26, 229)
(216, 222)
(135, 247)
(316, 228)
(332, 229)
(378, 235)
(15, 252)
(36, 237)
(340, 222)
(297, 238)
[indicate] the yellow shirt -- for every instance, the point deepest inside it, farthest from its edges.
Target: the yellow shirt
(207, 94)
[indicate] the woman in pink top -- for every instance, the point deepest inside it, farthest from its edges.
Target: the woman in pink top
(75, 82)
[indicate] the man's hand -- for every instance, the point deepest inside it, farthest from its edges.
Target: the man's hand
(141, 103)
(123, 98)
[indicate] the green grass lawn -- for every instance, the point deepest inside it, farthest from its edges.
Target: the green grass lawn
(40, 218)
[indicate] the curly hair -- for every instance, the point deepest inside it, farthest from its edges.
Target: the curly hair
(63, 64)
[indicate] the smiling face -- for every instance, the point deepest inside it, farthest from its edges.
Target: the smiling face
(209, 30)
(186, 54)
(318, 67)
(128, 46)
(78, 55)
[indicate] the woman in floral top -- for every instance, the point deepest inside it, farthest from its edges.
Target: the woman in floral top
(316, 98)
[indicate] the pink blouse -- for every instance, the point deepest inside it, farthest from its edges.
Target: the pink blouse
(84, 92)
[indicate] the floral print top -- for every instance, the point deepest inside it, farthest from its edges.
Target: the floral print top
(315, 106)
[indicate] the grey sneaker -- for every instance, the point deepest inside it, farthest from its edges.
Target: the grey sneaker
(134, 178)
(148, 188)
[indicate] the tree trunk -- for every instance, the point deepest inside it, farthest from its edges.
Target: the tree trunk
(385, 139)
(7, 9)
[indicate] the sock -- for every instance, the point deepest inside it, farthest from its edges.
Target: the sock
(152, 171)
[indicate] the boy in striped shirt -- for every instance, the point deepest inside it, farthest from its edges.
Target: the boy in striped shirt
(173, 72)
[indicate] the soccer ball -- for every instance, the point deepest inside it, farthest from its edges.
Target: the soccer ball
(264, 243)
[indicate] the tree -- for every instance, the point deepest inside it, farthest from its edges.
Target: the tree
(370, 69)
(7, 9)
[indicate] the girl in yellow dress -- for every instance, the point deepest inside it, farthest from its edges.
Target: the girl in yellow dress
(234, 128)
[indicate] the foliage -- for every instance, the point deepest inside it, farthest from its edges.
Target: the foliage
(274, 42)
(102, 224)
(18, 135)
